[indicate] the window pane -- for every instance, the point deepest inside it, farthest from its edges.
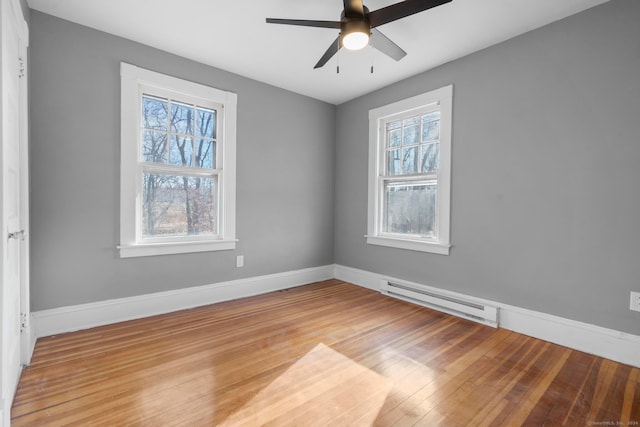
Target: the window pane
(393, 162)
(205, 154)
(411, 134)
(181, 151)
(413, 121)
(206, 123)
(154, 113)
(430, 157)
(154, 147)
(394, 125)
(178, 206)
(393, 138)
(431, 126)
(410, 160)
(182, 118)
(410, 209)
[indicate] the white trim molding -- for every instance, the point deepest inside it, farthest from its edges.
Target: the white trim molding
(136, 83)
(84, 316)
(604, 342)
(379, 178)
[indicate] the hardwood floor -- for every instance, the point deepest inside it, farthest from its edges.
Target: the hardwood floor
(328, 353)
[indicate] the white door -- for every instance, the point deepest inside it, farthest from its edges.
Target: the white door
(13, 191)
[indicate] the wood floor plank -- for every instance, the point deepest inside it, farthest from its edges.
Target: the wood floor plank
(629, 396)
(328, 353)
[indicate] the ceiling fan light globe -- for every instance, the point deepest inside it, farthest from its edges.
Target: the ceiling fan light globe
(355, 40)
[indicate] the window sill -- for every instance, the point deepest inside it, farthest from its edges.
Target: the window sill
(412, 245)
(152, 249)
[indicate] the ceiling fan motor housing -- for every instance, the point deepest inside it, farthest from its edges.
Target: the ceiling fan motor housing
(348, 27)
(355, 29)
(355, 23)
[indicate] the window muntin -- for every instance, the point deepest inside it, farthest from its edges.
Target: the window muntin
(177, 165)
(409, 173)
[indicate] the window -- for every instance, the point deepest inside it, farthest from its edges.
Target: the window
(409, 173)
(177, 189)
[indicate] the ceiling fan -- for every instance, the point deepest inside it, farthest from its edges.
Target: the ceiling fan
(358, 26)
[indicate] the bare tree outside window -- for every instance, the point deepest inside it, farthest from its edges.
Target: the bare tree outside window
(181, 198)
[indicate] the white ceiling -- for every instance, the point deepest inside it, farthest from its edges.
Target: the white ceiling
(232, 35)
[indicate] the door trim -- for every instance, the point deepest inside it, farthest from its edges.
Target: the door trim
(13, 18)
(27, 343)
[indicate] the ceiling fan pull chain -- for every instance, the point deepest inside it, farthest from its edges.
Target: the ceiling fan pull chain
(338, 57)
(371, 45)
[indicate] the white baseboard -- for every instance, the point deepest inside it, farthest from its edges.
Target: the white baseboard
(84, 316)
(358, 277)
(611, 344)
(604, 342)
(608, 343)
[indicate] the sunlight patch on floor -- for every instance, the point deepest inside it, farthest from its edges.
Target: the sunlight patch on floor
(323, 387)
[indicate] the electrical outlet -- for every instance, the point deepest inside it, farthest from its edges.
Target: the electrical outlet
(240, 261)
(635, 301)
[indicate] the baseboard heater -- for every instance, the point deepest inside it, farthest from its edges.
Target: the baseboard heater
(437, 300)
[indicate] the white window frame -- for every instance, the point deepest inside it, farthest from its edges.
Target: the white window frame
(135, 81)
(440, 243)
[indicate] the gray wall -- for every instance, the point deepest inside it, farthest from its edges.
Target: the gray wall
(545, 199)
(546, 172)
(285, 173)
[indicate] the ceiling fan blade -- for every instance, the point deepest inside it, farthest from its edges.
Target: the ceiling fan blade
(353, 7)
(401, 10)
(333, 49)
(386, 46)
(305, 23)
